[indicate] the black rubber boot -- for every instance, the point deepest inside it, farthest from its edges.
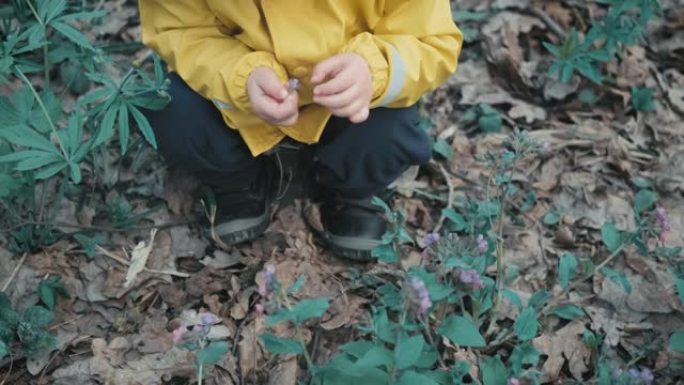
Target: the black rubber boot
(352, 228)
(243, 213)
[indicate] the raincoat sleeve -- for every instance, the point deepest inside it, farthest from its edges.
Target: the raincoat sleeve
(412, 49)
(203, 50)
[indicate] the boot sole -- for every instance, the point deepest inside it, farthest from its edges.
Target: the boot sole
(352, 248)
(241, 230)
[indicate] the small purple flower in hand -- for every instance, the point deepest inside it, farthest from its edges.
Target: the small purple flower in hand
(472, 278)
(293, 85)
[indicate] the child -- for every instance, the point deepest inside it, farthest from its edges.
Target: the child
(360, 67)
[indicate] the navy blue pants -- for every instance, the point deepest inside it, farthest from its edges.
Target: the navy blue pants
(355, 160)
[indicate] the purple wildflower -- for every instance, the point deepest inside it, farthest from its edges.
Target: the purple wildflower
(293, 85)
(634, 373)
(421, 295)
(482, 244)
(663, 222)
(646, 376)
(513, 381)
(270, 281)
(208, 319)
(431, 239)
(472, 278)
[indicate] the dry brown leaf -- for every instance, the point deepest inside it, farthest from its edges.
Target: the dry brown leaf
(561, 347)
(250, 347)
(139, 259)
(344, 310)
(284, 373)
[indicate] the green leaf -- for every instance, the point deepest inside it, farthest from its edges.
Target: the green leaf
(642, 99)
(644, 200)
(124, 129)
(410, 377)
(512, 297)
(617, 278)
(443, 148)
(47, 294)
(458, 221)
(303, 311)
(551, 218)
(376, 201)
(680, 288)
(376, 357)
(38, 316)
(611, 237)
(490, 123)
(526, 325)
(106, 130)
(677, 342)
(493, 371)
(212, 353)
(385, 253)
(461, 331)
(408, 351)
(278, 345)
(4, 349)
(539, 298)
(144, 126)
(567, 268)
(568, 312)
(72, 34)
(523, 354)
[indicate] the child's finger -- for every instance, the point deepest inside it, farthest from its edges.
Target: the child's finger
(340, 100)
(360, 116)
(270, 85)
(284, 110)
(341, 82)
(350, 110)
(327, 68)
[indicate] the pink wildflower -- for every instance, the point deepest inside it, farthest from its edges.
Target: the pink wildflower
(260, 309)
(179, 333)
(513, 381)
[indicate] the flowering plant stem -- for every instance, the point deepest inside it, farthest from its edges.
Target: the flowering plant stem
(500, 269)
(298, 330)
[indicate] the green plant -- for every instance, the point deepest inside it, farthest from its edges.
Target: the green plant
(197, 338)
(27, 333)
(623, 25)
(48, 147)
(454, 299)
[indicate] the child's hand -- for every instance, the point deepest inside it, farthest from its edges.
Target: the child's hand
(270, 99)
(348, 87)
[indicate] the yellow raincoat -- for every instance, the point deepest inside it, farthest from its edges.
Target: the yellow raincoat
(412, 46)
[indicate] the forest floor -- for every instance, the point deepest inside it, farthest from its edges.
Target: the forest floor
(599, 152)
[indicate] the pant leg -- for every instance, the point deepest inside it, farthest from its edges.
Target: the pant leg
(192, 135)
(360, 160)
